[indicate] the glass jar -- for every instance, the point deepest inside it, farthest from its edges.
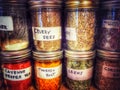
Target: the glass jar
(109, 32)
(13, 26)
(46, 24)
(79, 68)
(17, 70)
(48, 70)
(107, 70)
(80, 25)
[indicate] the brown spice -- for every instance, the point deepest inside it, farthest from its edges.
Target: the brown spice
(83, 21)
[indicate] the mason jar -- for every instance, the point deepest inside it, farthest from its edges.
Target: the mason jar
(109, 31)
(46, 24)
(13, 26)
(79, 69)
(107, 70)
(17, 70)
(80, 25)
(48, 70)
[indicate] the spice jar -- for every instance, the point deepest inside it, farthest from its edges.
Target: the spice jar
(1, 77)
(48, 70)
(13, 26)
(17, 70)
(109, 32)
(46, 24)
(107, 70)
(79, 68)
(80, 25)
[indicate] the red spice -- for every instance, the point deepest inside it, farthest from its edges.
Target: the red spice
(14, 75)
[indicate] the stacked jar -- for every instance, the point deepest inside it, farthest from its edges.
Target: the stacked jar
(80, 43)
(14, 44)
(47, 53)
(107, 75)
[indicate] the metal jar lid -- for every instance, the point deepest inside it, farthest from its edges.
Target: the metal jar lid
(44, 3)
(108, 54)
(47, 55)
(77, 54)
(80, 3)
(15, 55)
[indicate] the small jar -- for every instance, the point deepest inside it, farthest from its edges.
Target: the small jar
(80, 25)
(48, 70)
(109, 31)
(79, 68)
(46, 24)
(13, 26)
(17, 70)
(1, 77)
(107, 70)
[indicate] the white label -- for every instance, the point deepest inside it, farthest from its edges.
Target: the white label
(71, 34)
(79, 74)
(46, 33)
(6, 23)
(49, 73)
(17, 75)
(111, 72)
(111, 24)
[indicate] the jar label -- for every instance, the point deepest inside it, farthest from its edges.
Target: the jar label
(79, 74)
(6, 23)
(111, 72)
(17, 75)
(49, 73)
(111, 24)
(71, 34)
(46, 33)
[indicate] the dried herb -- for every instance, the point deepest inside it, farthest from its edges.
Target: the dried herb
(80, 29)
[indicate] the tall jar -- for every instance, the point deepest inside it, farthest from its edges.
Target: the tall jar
(48, 70)
(13, 26)
(109, 32)
(80, 25)
(107, 70)
(79, 68)
(46, 24)
(17, 70)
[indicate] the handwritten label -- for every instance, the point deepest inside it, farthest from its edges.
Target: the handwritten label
(111, 72)
(17, 75)
(6, 23)
(46, 33)
(111, 24)
(79, 74)
(71, 34)
(49, 73)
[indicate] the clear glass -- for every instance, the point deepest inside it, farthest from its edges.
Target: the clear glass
(13, 27)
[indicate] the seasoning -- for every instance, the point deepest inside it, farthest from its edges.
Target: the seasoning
(109, 32)
(13, 26)
(17, 68)
(46, 25)
(80, 27)
(107, 70)
(79, 68)
(48, 70)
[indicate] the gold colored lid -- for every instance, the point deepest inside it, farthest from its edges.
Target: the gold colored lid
(80, 3)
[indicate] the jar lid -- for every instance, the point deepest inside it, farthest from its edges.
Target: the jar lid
(77, 54)
(45, 3)
(108, 54)
(13, 1)
(8, 55)
(47, 55)
(80, 3)
(111, 4)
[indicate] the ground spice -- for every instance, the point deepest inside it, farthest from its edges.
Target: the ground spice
(80, 27)
(79, 69)
(17, 70)
(107, 72)
(48, 72)
(46, 26)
